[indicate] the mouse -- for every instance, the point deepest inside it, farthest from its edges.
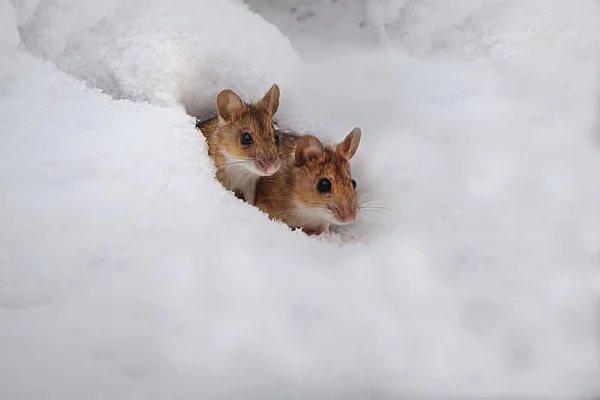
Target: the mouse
(242, 142)
(313, 189)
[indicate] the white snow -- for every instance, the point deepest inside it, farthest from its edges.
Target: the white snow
(127, 272)
(9, 36)
(174, 51)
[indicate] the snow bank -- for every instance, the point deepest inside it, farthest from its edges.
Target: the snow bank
(9, 36)
(127, 272)
(165, 53)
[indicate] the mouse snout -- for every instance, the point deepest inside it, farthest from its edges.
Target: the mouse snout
(267, 165)
(344, 213)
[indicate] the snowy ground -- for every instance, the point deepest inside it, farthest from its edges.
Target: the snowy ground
(127, 272)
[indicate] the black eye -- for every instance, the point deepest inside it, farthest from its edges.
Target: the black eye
(353, 183)
(324, 185)
(246, 139)
(276, 139)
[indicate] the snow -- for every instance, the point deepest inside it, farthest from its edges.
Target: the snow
(181, 51)
(9, 37)
(126, 271)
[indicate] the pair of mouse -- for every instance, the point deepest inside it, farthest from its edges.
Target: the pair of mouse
(293, 178)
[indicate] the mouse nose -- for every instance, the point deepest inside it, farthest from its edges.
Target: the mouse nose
(269, 167)
(344, 214)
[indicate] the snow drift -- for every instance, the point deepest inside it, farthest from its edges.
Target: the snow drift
(128, 272)
(9, 36)
(162, 52)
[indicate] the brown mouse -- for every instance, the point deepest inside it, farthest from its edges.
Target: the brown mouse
(242, 141)
(313, 189)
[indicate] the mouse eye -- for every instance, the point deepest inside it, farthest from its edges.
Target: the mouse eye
(246, 139)
(324, 185)
(353, 183)
(276, 139)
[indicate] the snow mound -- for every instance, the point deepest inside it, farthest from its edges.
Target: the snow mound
(166, 53)
(9, 36)
(126, 271)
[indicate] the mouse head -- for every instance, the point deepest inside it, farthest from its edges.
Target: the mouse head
(323, 189)
(247, 131)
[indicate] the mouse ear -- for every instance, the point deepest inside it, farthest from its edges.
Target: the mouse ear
(350, 144)
(270, 101)
(229, 105)
(307, 147)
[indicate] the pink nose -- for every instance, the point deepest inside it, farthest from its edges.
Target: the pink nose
(346, 217)
(343, 214)
(270, 168)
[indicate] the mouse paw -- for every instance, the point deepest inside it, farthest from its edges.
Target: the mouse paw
(316, 231)
(239, 195)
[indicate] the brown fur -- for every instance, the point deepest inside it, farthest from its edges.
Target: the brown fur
(294, 187)
(239, 166)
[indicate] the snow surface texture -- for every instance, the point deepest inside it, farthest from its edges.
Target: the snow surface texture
(164, 52)
(9, 36)
(127, 272)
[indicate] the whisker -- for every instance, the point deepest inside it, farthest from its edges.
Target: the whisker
(371, 207)
(367, 211)
(371, 204)
(240, 163)
(369, 200)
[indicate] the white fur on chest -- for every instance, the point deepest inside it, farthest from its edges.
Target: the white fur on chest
(311, 218)
(237, 176)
